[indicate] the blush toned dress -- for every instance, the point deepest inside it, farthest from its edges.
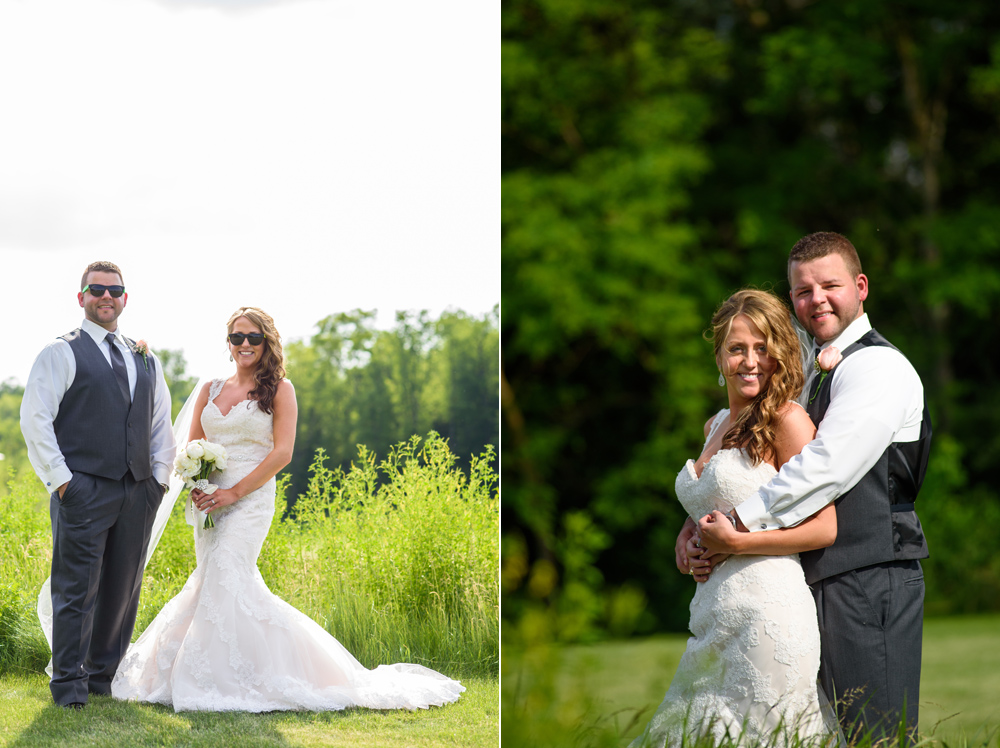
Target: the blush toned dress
(749, 671)
(226, 643)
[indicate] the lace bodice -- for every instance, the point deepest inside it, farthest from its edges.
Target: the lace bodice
(750, 666)
(245, 431)
(726, 481)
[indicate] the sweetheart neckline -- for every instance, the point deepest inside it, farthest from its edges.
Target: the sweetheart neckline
(244, 400)
(707, 462)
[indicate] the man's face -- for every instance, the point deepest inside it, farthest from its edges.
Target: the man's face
(826, 297)
(102, 310)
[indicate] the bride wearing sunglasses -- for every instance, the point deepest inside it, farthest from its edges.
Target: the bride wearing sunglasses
(225, 642)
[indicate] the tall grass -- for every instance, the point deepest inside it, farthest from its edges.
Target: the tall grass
(396, 557)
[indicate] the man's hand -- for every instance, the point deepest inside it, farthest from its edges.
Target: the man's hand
(62, 490)
(718, 534)
(687, 532)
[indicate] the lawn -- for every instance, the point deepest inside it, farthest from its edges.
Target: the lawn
(29, 719)
(603, 694)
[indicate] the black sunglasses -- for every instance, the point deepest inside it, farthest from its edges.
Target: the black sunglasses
(254, 338)
(98, 290)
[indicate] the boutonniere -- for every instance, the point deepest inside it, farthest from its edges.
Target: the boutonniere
(824, 363)
(142, 348)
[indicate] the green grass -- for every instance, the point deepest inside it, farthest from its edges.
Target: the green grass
(603, 694)
(29, 719)
(397, 559)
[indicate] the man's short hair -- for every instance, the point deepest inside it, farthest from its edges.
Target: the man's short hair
(101, 266)
(824, 243)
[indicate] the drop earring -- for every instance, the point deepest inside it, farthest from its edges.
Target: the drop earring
(233, 359)
(722, 381)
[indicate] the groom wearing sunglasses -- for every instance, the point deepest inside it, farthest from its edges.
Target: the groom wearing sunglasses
(96, 419)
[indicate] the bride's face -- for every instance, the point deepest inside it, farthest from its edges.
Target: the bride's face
(245, 354)
(745, 361)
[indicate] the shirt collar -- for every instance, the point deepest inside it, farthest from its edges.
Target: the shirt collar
(851, 334)
(98, 333)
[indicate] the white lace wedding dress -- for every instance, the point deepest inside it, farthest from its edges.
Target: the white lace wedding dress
(226, 643)
(749, 671)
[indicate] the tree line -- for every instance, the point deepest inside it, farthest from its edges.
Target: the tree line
(359, 385)
(660, 154)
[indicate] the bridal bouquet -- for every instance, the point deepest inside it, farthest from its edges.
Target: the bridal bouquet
(194, 463)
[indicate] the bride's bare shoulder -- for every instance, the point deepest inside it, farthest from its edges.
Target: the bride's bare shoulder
(794, 425)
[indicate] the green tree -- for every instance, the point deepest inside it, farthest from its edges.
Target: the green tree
(175, 373)
(657, 157)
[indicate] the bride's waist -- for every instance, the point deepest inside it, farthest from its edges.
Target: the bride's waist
(244, 458)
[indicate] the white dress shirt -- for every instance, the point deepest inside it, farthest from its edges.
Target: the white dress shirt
(51, 376)
(876, 398)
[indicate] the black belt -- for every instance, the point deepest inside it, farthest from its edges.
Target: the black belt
(902, 507)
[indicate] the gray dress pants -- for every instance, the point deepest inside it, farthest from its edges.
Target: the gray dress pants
(871, 627)
(100, 530)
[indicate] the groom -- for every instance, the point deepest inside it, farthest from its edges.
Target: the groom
(869, 456)
(96, 419)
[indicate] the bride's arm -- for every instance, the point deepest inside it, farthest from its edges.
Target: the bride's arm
(794, 431)
(285, 415)
(197, 431)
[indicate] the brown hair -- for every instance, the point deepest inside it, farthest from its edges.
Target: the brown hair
(753, 430)
(271, 369)
(821, 244)
(101, 266)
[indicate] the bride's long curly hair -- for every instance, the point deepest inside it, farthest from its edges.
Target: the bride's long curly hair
(753, 430)
(271, 369)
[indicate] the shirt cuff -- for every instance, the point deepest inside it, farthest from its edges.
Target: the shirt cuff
(56, 477)
(754, 515)
(162, 476)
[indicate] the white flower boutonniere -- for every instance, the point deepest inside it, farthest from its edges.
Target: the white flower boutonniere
(827, 359)
(142, 348)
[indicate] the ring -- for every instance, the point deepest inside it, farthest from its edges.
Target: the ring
(213, 502)
(691, 571)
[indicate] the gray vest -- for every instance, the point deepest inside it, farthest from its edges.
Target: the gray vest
(97, 431)
(876, 520)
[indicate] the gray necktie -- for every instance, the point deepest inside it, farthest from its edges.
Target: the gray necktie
(118, 366)
(811, 374)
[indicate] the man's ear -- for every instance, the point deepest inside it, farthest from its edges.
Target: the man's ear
(862, 281)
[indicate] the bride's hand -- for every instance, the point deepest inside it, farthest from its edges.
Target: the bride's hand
(718, 534)
(220, 498)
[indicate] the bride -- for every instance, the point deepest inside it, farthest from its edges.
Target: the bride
(225, 642)
(749, 671)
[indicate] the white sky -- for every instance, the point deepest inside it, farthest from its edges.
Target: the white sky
(306, 156)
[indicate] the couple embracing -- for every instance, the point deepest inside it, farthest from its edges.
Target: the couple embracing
(96, 419)
(806, 484)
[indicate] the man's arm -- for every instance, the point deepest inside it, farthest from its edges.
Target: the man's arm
(161, 439)
(51, 376)
(876, 398)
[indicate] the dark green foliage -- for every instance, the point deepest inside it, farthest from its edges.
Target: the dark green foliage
(659, 155)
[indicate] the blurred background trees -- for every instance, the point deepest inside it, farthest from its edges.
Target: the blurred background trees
(656, 157)
(357, 384)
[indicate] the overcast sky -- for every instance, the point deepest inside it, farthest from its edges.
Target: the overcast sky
(306, 156)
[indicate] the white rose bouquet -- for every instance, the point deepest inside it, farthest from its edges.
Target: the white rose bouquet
(194, 463)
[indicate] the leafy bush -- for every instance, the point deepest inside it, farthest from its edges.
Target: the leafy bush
(396, 558)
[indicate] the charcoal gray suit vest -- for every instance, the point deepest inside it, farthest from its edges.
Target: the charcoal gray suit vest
(876, 520)
(97, 431)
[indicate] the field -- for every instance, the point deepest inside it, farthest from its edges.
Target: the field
(602, 694)
(396, 557)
